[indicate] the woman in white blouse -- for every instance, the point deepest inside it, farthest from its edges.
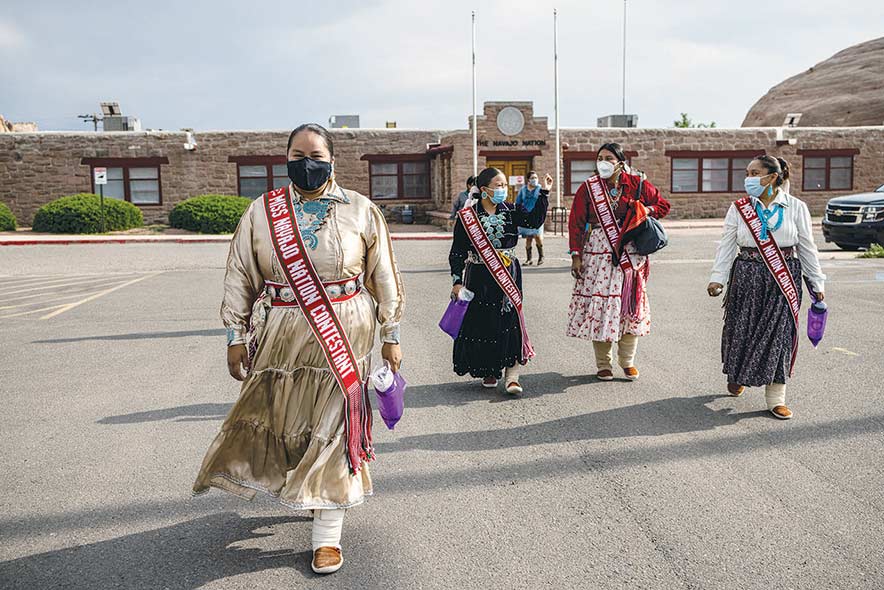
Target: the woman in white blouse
(757, 340)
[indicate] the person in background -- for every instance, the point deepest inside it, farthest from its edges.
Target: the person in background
(527, 198)
(603, 293)
(759, 329)
(461, 199)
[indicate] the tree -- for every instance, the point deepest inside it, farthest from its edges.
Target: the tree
(686, 123)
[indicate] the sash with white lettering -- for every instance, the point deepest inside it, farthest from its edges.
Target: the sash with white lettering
(775, 262)
(632, 289)
(317, 308)
(498, 270)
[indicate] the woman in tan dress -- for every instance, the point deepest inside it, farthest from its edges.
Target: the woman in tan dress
(285, 436)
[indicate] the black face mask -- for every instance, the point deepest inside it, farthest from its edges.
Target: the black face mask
(308, 174)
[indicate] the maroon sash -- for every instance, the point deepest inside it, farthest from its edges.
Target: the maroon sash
(498, 270)
(775, 262)
(633, 280)
(317, 308)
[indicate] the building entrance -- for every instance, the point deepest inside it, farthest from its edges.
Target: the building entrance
(512, 168)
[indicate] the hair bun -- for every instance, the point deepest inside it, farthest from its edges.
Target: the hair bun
(786, 168)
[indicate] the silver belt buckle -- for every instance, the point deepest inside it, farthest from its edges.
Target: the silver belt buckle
(334, 291)
(287, 294)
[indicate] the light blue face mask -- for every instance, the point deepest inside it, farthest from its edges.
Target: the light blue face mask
(500, 195)
(753, 187)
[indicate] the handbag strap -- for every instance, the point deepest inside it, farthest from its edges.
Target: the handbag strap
(641, 182)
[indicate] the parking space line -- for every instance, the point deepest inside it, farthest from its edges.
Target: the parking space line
(49, 300)
(80, 289)
(21, 313)
(55, 286)
(31, 280)
(70, 306)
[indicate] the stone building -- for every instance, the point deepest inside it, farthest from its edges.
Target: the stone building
(699, 170)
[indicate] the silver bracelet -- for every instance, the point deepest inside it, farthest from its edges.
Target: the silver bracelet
(235, 335)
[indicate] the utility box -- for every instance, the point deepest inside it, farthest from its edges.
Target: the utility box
(121, 123)
(618, 121)
(344, 121)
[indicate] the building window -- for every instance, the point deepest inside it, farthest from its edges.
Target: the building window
(399, 177)
(581, 165)
(256, 175)
(709, 172)
(578, 172)
(136, 180)
(827, 169)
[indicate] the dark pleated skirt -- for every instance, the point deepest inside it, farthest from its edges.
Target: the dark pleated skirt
(756, 344)
(490, 338)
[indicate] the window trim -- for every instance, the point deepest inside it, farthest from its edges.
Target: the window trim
(125, 164)
(399, 160)
(828, 155)
(267, 161)
(701, 155)
(569, 156)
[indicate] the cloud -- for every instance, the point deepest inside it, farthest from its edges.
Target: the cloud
(263, 64)
(11, 37)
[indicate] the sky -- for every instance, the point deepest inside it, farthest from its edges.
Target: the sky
(226, 65)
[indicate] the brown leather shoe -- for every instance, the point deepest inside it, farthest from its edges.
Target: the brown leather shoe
(489, 382)
(631, 373)
(327, 560)
(735, 389)
(605, 375)
(782, 412)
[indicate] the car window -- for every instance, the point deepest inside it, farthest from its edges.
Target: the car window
(880, 189)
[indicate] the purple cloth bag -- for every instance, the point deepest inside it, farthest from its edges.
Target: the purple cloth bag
(817, 314)
(454, 314)
(390, 390)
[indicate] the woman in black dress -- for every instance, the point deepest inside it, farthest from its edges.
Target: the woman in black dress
(490, 339)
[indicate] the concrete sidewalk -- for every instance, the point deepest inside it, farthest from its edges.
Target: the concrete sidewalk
(399, 232)
(28, 238)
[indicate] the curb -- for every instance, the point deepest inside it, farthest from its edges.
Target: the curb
(207, 240)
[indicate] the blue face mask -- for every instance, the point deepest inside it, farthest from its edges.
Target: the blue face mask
(499, 196)
(753, 187)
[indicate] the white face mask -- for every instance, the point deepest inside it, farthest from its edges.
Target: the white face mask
(605, 168)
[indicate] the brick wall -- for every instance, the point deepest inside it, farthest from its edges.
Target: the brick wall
(38, 167)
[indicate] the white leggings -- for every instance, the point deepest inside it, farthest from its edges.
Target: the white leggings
(775, 395)
(625, 352)
(327, 525)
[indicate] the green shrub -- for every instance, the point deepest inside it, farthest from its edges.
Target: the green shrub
(209, 214)
(7, 219)
(81, 214)
(874, 251)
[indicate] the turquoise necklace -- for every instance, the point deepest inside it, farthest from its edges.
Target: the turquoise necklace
(765, 216)
(494, 225)
(312, 215)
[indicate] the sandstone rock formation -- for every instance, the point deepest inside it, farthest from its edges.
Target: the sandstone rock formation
(846, 90)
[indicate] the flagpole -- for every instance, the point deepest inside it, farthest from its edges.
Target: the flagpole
(624, 57)
(475, 122)
(556, 90)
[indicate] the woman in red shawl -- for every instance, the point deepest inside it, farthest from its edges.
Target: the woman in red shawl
(598, 310)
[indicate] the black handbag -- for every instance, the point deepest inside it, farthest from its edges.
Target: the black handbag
(649, 236)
